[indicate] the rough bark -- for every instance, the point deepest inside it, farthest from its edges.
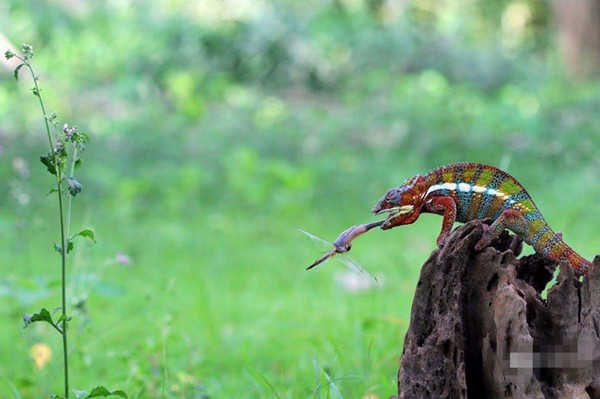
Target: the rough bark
(480, 329)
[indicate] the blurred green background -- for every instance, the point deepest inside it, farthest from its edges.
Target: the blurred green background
(219, 128)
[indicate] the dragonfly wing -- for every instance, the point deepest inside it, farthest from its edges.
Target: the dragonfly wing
(317, 239)
(353, 265)
(347, 260)
(323, 243)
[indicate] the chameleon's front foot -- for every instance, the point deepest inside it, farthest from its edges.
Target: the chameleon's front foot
(441, 240)
(485, 239)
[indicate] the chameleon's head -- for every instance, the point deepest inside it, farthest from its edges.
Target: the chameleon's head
(402, 203)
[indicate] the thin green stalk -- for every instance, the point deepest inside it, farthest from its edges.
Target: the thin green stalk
(70, 197)
(63, 251)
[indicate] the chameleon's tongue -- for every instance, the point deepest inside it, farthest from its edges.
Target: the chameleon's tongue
(342, 243)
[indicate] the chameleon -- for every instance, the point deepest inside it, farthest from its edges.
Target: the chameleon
(467, 191)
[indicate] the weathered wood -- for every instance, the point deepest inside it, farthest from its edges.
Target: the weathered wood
(480, 329)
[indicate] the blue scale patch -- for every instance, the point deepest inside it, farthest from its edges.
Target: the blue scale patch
(520, 196)
(464, 202)
(533, 215)
(486, 200)
(546, 250)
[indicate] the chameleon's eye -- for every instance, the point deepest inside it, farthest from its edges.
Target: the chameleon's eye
(394, 196)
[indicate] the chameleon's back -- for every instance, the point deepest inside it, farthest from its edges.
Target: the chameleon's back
(483, 191)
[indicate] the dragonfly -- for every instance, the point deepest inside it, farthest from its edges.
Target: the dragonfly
(342, 245)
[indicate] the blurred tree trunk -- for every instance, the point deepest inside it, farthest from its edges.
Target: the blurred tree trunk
(479, 328)
(578, 23)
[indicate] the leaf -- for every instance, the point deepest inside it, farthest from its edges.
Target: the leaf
(56, 397)
(74, 186)
(16, 72)
(48, 161)
(51, 117)
(259, 377)
(52, 191)
(86, 233)
(70, 247)
(100, 392)
(332, 387)
(78, 163)
(12, 386)
(43, 315)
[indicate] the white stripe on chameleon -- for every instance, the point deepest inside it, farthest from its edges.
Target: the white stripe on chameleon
(446, 186)
(465, 187)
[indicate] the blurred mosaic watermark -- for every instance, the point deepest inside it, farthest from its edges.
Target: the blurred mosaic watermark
(557, 357)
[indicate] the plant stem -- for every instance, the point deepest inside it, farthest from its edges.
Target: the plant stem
(70, 197)
(63, 252)
(63, 255)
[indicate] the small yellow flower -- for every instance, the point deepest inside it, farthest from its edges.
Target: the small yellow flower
(41, 354)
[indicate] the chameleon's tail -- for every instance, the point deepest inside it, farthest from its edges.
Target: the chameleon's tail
(578, 263)
(557, 250)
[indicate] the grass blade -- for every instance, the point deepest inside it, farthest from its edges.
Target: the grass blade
(332, 387)
(261, 379)
(13, 388)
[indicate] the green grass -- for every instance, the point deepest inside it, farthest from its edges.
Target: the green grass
(219, 303)
(193, 316)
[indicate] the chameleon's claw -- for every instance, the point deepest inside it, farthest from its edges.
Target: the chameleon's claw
(441, 240)
(484, 241)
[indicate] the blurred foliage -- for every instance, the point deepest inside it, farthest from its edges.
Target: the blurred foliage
(218, 128)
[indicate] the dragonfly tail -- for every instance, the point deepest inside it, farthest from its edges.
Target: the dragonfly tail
(321, 260)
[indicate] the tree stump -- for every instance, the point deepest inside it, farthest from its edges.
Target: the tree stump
(480, 329)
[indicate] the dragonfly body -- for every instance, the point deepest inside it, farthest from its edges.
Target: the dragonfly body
(343, 244)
